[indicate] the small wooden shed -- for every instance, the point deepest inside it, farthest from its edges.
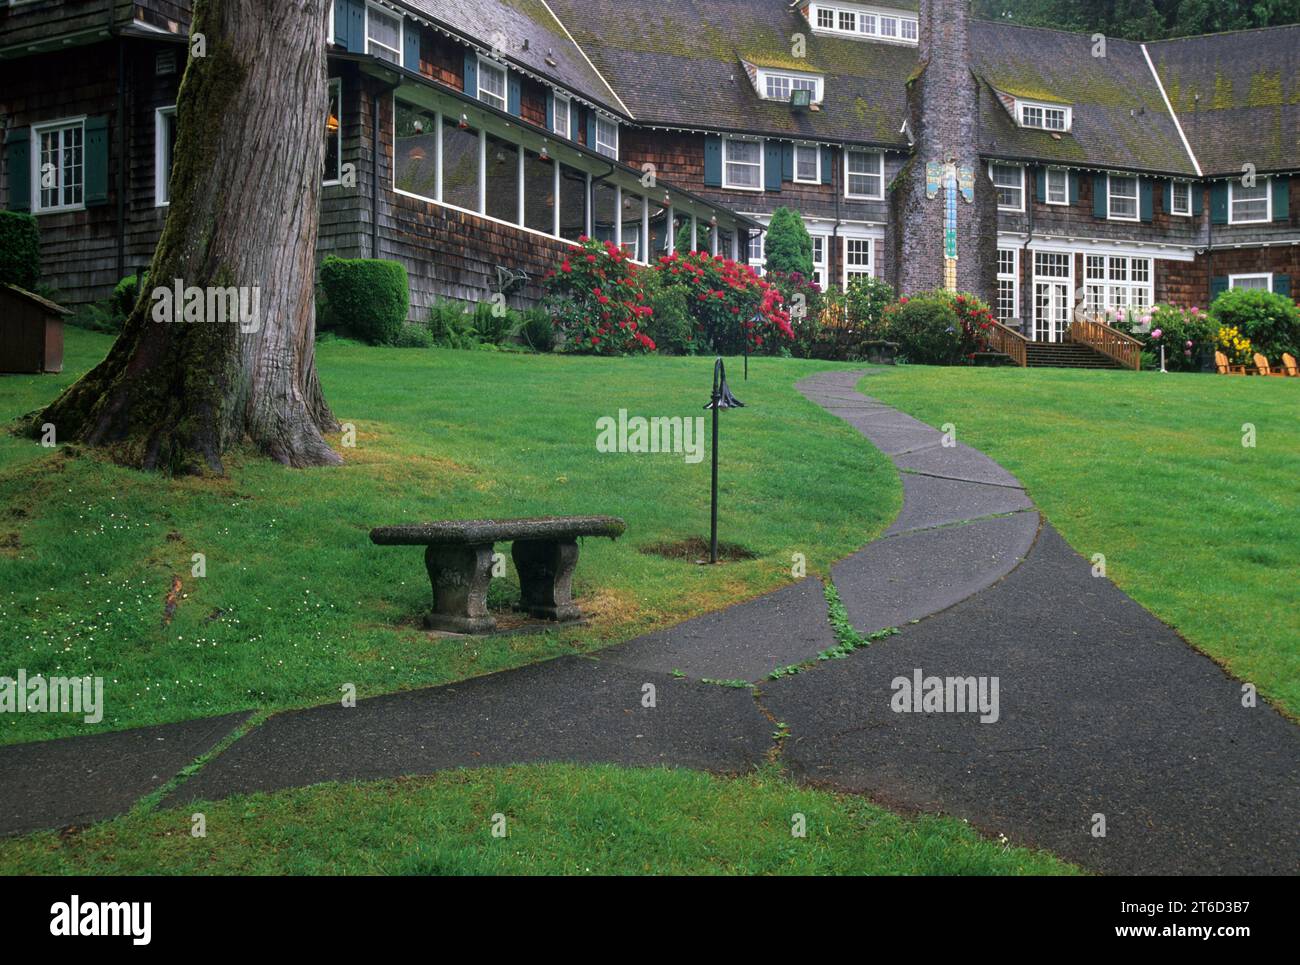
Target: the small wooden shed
(31, 331)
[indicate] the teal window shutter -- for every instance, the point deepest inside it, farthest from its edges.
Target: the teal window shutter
(1167, 205)
(1074, 187)
(575, 118)
(550, 109)
(471, 74)
(1281, 199)
(514, 93)
(712, 161)
(341, 24)
(1282, 285)
(1099, 196)
(1198, 199)
(18, 158)
(828, 160)
(772, 165)
(1218, 285)
(591, 130)
(411, 45)
(787, 162)
(356, 32)
(96, 159)
(1040, 179)
(1146, 201)
(1219, 202)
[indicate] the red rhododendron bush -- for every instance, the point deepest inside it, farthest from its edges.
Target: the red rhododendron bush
(597, 299)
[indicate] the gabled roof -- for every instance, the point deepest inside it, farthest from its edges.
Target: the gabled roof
(533, 38)
(679, 64)
(1237, 96)
(1119, 116)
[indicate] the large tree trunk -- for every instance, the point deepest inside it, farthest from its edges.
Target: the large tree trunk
(245, 186)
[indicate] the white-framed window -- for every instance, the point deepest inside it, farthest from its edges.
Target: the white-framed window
(1180, 198)
(807, 164)
(777, 86)
(606, 136)
(1058, 186)
(1260, 282)
(907, 29)
(857, 260)
(825, 18)
(755, 255)
(59, 165)
(1045, 117)
(164, 144)
(868, 23)
(742, 164)
(864, 174)
(883, 23)
(889, 26)
(334, 132)
(1121, 198)
(1117, 283)
(1009, 182)
(820, 243)
(560, 113)
(492, 83)
(1008, 306)
(329, 23)
(1248, 205)
(383, 34)
(847, 21)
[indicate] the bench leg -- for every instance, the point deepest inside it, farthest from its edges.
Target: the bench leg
(546, 577)
(460, 576)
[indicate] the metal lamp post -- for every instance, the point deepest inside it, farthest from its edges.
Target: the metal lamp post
(720, 399)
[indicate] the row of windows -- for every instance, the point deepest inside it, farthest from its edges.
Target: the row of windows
(855, 263)
(743, 168)
(864, 23)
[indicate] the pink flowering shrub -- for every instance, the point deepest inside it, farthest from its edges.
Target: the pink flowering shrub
(597, 302)
(731, 304)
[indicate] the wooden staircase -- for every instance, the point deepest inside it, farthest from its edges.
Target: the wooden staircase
(1066, 355)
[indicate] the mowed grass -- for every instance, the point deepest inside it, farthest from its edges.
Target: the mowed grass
(558, 819)
(1150, 470)
(296, 602)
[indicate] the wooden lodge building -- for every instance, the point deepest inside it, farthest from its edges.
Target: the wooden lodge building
(473, 140)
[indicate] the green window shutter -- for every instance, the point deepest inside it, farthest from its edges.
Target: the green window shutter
(514, 93)
(341, 24)
(411, 45)
(1099, 196)
(1167, 205)
(712, 161)
(356, 31)
(828, 161)
(18, 160)
(591, 130)
(1282, 285)
(1218, 285)
(1198, 199)
(471, 74)
(1219, 202)
(96, 159)
(1146, 201)
(772, 165)
(1074, 187)
(1281, 199)
(550, 110)
(787, 162)
(1040, 177)
(575, 118)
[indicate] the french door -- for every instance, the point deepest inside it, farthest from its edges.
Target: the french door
(1053, 284)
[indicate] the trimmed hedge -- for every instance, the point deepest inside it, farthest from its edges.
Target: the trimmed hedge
(368, 297)
(20, 250)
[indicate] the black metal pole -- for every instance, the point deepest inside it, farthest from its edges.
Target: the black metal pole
(713, 512)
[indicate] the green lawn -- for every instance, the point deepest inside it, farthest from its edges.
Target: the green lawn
(559, 819)
(1150, 470)
(296, 601)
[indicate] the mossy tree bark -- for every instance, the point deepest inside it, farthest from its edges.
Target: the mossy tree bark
(244, 212)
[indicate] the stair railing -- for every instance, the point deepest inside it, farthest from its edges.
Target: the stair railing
(1007, 341)
(1110, 342)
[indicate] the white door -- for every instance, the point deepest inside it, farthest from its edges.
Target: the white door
(1053, 273)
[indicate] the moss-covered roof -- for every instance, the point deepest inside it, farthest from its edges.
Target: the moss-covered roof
(1237, 96)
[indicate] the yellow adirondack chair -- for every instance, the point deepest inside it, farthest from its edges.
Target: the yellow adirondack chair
(1262, 366)
(1225, 367)
(1288, 364)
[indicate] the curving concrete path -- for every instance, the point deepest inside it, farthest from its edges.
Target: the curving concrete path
(1103, 710)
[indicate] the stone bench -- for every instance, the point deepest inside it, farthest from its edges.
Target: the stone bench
(458, 555)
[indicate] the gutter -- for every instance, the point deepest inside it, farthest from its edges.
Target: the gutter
(374, 163)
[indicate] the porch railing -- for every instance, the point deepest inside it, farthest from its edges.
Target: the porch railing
(1007, 341)
(1111, 342)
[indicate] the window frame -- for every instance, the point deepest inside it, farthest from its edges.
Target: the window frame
(486, 65)
(401, 33)
(1173, 199)
(869, 22)
(161, 195)
(1111, 195)
(993, 166)
(60, 125)
(880, 173)
(1266, 275)
(1014, 278)
(556, 100)
(846, 275)
(1065, 187)
(1099, 291)
(765, 77)
(337, 83)
(1043, 109)
(762, 164)
(597, 147)
(1266, 183)
(817, 156)
(821, 268)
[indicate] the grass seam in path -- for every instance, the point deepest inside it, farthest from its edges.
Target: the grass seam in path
(150, 801)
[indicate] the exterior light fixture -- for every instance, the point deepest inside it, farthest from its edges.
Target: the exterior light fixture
(801, 99)
(721, 398)
(464, 122)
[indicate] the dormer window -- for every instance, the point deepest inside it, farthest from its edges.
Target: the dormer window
(863, 21)
(777, 85)
(1044, 117)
